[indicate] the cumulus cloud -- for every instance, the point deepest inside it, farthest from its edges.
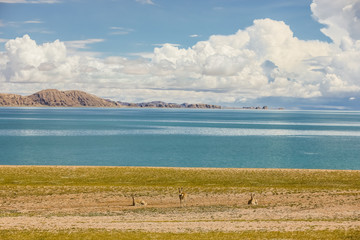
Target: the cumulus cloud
(341, 18)
(23, 57)
(261, 61)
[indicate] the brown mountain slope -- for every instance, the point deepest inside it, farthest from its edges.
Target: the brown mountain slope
(15, 100)
(72, 98)
(75, 98)
(55, 98)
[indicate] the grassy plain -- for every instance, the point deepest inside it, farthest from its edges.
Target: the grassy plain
(115, 235)
(199, 178)
(54, 202)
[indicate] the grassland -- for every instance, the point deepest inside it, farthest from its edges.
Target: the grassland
(47, 202)
(115, 235)
(203, 179)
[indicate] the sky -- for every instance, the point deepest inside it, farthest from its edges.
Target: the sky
(297, 54)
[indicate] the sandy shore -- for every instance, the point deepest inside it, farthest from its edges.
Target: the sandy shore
(277, 210)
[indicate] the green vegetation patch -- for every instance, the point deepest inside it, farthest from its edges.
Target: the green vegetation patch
(112, 234)
(174, 177)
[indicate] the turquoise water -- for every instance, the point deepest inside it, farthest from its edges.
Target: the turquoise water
(180, 138)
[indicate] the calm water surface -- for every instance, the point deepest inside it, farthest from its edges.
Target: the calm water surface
(180, 138)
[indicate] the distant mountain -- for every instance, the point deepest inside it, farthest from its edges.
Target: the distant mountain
(56, 98)
(15, 100)
(160, 104)
(74, 98)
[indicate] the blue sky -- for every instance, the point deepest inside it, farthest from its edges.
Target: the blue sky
(228, 52)
(129, 26)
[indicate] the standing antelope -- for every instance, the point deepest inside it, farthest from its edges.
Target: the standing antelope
(182, 196)
(138, 202)
(252, 200)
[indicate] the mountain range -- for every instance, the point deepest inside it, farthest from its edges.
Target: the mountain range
(75, 98)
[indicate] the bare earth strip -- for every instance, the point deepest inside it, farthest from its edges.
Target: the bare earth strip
(220, 212)
(118, 223)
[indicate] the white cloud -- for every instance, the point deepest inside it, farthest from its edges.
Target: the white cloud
(120, 31)
(341, 18)
(149, 2)
(263, 60)
(148, 55)
(235, 62)
(166, 44)
(82, 44)
(33, 22)
(194, 36)
(30, 1)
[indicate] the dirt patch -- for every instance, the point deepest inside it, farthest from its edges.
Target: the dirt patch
(276, 211)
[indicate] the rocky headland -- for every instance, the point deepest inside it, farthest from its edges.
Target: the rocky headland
(75, 98)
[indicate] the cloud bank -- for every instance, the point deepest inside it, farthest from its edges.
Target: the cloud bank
(264, 60)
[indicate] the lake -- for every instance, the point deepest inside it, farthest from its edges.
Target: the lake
(180, 138)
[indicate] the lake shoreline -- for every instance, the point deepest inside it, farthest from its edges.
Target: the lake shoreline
(186, 168)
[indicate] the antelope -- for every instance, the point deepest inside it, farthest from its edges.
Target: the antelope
(138, 202)
(182, 196)
(252, 200)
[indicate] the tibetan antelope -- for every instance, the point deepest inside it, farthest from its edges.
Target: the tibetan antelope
(138, 202)
(182, 197)
(252, 200)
